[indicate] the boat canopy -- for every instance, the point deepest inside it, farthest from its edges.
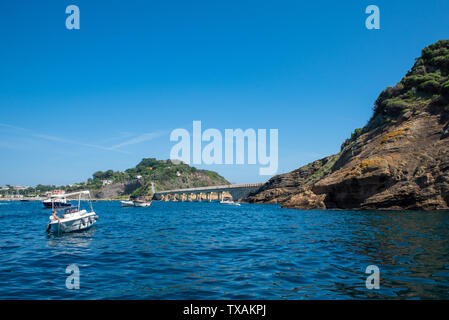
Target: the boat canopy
(65, 195)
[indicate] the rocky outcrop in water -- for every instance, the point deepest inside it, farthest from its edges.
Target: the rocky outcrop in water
(279, 188)
(399, 160)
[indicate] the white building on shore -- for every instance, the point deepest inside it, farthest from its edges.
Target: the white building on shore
(106, 182)
(20, 188)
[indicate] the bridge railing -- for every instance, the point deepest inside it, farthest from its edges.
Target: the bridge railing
(222, 187)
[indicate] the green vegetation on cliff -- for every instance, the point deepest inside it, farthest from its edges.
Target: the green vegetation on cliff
(424, 88)
(137, 181)
(164, 174)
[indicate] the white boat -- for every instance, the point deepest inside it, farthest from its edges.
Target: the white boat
(142, 203)
(74, 218)
(135, 203)
(230, 202)
(56, 201)
(127, 203)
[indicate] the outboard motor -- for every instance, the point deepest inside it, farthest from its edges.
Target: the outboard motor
(48, 227)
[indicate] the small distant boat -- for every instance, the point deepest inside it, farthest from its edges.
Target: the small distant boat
(74, 218)
(56, 201)
(230, 202)
(135, 203)
(142, 203)
(127, 203)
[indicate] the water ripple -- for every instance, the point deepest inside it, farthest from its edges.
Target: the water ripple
(212, 251)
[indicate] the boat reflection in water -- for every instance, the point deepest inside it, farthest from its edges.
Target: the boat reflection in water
(71, 243)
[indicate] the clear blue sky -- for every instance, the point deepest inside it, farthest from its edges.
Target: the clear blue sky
(136, 70)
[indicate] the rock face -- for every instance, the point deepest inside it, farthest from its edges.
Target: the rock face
(406, 166)
(281, 187)
(399, 160)
(117, 189)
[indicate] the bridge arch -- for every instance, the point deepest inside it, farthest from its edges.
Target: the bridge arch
(237, 191)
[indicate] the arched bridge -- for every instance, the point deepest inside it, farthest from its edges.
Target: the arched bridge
(237, 191)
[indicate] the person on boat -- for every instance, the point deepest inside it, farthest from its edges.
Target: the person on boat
(55, 215)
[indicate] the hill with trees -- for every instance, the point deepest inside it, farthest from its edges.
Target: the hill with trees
(138, 181)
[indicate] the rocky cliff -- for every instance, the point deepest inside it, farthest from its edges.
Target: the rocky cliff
(399, 160)
(279, 188)
(117, 189)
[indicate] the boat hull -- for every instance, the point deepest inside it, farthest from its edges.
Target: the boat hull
(127, 203)
(76, 222)
(232, 203)
(135, 204)
(142, 204)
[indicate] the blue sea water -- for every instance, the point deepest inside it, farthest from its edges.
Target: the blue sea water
(213, 251)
